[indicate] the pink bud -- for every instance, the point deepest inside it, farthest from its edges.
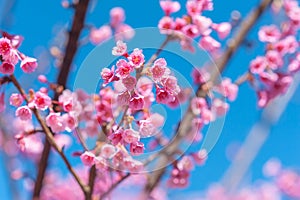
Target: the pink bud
(16, 100)
(100, 35)
(117, 16)
(169, 6)
(42, 78)
(24, 113)
(136, 148)
(7, 68)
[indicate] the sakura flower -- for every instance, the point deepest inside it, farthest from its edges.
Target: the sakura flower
(124, 32)
(169, 6)
(200, 157)
(178, 179)
(228, 89)
(70, 122)
(41, 101)
(209, 44)
(124, 98)
(144, 86)
(28, 64)
(274, 59)
(137, 58)
(170, 85)
(202, 23)
(220, 107)
(42, 79)
(194, 7)
(124, 68)
(5, 46)
(130, 136)
(117, 16)
(198, 104)
(269, 34)
(146, 128)
(120, 49)
(16, 99)
(191, 31)
(24, 113)
(108, 151)
(108, 75)
(136, 102)
(200, 76)
(137, 148)
(166, 25)
(129, 82)
(163, 96)
(7, 68)
(55, 122)
(100, 35)
(223, 29)
(179, 24)
(294, 66)
(185, 163)
(63, 140)
(258, 65)
(159, 69)
(101, 163)
(88, 158)
(116, 137)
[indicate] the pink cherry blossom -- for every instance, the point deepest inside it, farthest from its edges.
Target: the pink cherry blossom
(200, 156)
(131, 136)
(220, 107)
(129, 82)
(169, 6)
(228, 89)
(191, 31)
(166, 25)
(294, 66)
(42, 79)
(159, 69)
(117, 16)
(88, 158)
(124, 68)
(108, 151)
(185, 163)
(146, 128)
(29, 65)
(41, 101)
(209, 44)
(124, 98)
(200, 75)
(258, 65)
(120, 49)
(223, 29)
(170, 85)
(7, 68)
(274, 59)
(198, 104)
(70, 122)
(116, 137)
(137, 148)
(100, 35)
(137, 58)
(193, 7)
(56, 122)
(269, 34)
(137, 102)
(202, 23)
(124, 32)
(163, 96)
(179, 24)
(24, 113)
(16, 99)
(108, 75)
(144, 86)
(5, 46)
(178, 179)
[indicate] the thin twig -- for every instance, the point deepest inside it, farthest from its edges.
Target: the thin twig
(185, 124)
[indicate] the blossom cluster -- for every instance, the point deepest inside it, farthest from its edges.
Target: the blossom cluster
(193, 25)
(10, 55)
(273, 72)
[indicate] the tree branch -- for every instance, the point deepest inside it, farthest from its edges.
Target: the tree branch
(185, 124)
(71, 49)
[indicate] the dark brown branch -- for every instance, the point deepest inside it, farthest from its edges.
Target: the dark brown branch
(71, 49)
(185, 124)
(92, 177)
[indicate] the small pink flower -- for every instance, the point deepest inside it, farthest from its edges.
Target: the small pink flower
(137, 102)
(7, 68)
(294, 66)
(137, 58)
(108, 151)
(5, 46)
(146, 128)
(108, 75)
(179, 24)
(124, 32)
(123, 98)
(166, 25)
(120, 49)
(55, 122)
(28, 64)
(202, 23)
(220, 107)
(130, 136)
(42, 79)
(101, 163)
(169, 6)
(70, 122)
(198, 104)
(258, 65)
(179, 178)
(162, 96)
(100, 35)
(209, 44)
(274, 59)
(170, 85)
(116, 137)
(200, 157)
(269, 34)
(124, 68)
(42, 101)
(88, 158)
(137, 148)
(144, 86)
(191, 31)
(207, 116)
(185, 163)
(159, 69)
(16, 99)
(200, 75)
(129, 82)
(223, 29)
(194, 7)
(117, 16)
(24, 113)
(228, 89)
(12, 57)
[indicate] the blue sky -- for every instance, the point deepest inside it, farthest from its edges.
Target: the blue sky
(38, 21)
